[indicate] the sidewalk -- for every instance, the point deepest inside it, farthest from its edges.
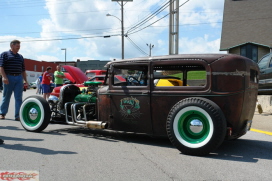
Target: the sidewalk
(262, 121)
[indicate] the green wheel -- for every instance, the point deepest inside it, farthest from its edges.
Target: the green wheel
(196, 126)
(35, 114)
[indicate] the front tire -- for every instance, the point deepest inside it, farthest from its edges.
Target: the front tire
(35, 114)
(196, 126)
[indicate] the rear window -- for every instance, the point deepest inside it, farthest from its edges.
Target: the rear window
(179, 75)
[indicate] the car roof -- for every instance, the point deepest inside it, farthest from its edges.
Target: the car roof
(206, 57)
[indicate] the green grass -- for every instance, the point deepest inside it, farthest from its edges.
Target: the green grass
(195, 75)
(192, 75)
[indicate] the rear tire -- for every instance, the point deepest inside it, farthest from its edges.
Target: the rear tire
(35, 114)
(196, 126)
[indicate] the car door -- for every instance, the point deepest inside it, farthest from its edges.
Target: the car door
(171, 82)
(130, 99)
(265, 65)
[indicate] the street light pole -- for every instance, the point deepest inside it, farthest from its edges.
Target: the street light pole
(65, 55)
(150, 47)
(122, 25)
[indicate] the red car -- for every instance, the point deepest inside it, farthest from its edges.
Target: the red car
(75, 75)
(92, 73)
(101, 78)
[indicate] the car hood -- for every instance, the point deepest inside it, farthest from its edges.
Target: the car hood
(76, 75)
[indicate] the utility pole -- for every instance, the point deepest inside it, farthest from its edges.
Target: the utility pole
(174, 27)
(121, 3)
(150, 48)
(65, 54)
(122, 22)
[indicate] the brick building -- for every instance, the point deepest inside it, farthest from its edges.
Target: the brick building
(35, 68)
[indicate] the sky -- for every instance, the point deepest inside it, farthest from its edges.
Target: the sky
(44, 27)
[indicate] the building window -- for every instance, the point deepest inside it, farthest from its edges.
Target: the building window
(42, 69)
(35, 68)
(250, 51)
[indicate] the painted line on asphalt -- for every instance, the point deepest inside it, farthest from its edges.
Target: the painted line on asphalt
(260, 131)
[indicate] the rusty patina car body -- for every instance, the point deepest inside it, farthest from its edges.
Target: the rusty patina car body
(196, 112)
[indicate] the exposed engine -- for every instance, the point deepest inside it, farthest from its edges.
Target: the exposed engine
(75, 106)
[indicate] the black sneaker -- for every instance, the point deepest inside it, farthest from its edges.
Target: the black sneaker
(1, 141)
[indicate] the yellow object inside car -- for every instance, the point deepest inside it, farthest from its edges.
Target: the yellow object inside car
(169, 82)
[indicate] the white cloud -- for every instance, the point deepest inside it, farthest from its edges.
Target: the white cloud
(88, 18)
(48, 58)
(199, 45)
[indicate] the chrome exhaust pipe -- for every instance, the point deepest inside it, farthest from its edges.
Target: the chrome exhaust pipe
(96, 125)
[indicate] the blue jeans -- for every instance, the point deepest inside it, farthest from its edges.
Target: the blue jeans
(15, 85)
(40, 89)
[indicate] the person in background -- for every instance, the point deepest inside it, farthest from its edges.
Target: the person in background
(38, 83)
(59, 76)
(40, 88)
(12, 68)
(46, 79)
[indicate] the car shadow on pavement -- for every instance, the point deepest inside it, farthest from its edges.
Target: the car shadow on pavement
(23, 147)
(243, 150)
(19, 139)
(116, 136)
(44, 151)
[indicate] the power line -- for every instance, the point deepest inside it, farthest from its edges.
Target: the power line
(102, 29)
(149, 17)
(36, 4)
(157, 20)
(57, 39)
(137, 47)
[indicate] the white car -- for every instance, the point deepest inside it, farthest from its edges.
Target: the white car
(33, 85)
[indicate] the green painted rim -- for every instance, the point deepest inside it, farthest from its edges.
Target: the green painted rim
(26, 118)
(184, 127)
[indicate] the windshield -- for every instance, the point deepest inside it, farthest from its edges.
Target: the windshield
(90, 74)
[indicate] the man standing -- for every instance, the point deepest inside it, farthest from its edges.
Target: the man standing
(1, 83)
(12, 69)
(59, 76)
(47, 77)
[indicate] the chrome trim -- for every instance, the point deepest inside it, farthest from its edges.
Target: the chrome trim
(196, 126)
(74, 112)
(53, 99)
(69, 120)
(33, 114)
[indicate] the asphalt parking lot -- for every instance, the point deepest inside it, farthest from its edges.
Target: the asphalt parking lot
(262, 122)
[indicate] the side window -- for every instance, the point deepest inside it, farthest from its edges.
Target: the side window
(270, 64)
(263, 62)
(130, 76)
(179, 75)
(196, 78)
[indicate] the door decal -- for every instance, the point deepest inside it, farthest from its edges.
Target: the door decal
(130, 108)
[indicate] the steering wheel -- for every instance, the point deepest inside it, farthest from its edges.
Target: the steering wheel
(132, 80)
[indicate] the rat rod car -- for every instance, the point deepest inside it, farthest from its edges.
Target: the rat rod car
(195, 100)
